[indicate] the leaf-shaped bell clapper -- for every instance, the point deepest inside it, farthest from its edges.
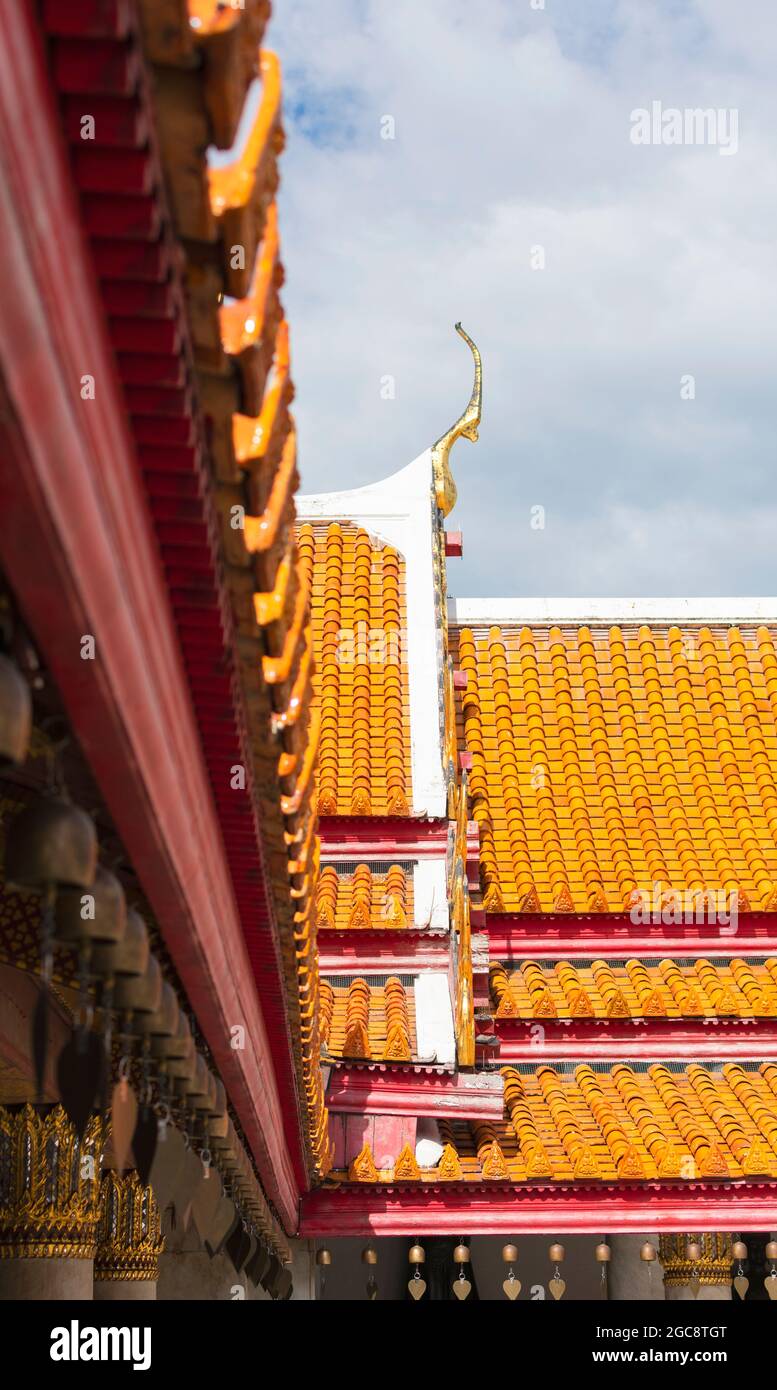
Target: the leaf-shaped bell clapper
(52, 844)
(15, 714)
(97, 914)
(125, 958)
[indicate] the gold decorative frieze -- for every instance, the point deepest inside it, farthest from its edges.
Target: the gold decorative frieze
(129, 1235)
(712, 1267)
(49, 1184)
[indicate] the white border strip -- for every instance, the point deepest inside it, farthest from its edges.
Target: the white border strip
(479, 612)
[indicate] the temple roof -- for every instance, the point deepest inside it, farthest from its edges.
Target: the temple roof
(359, 619)
(606, 1125)
(635, 989)
(606, 761)
(365, 898)
(363, 1022)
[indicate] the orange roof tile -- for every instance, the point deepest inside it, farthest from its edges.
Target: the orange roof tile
(365, 898)
(606, 762)
(633, 989)
(359, 618)
(363, 1023)
(611, 1125)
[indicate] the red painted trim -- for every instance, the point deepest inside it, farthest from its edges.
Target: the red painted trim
(479, 1210)
(617, 1040)
(574, 935)
(79, 550)
(398, 951)
(376, 837)
(384, 1092)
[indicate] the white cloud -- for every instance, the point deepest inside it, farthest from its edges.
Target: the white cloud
(512, 130)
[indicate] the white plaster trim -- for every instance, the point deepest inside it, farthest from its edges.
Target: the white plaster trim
(480, 612)
(430, 894)
(433, 1018)
(399, 510)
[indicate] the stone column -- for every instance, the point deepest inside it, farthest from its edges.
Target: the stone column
(629, 1277)
(708, 1279)
(129, 1242)
(50, 1204)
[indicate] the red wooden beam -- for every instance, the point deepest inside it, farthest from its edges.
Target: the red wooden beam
(78, 548)
(617, 1040)
(389, 1091)
(354, 837)
(488, 1210)
(553, 935)
(400, 950)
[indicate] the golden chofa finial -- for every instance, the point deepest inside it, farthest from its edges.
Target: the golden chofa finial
(466, 425)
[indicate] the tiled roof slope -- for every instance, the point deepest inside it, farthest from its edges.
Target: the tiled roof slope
(635, 989)
(364, 898)
(606, 761)
(608, 1126)
(368, 1023)
(359, 620)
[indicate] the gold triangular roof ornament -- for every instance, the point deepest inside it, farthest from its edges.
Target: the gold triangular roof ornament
(466, 425)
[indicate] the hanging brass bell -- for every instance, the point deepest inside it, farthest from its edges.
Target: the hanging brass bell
(693, 1251)
(140, 994)
(104, 905)
(127, 957)
(647, 1252)
(369, 1255)
(15, 714)
(219, 1120)
(416, 1255)
(739, 1250)
(224, 1144)
(204, 1098)
(771, 1250)
(461, 1255)
(178, 1044)
(182, 1067)
(603, 1253)
(324, 1257)
(51, 844)
(164, 1021)
(510, 1254)
(556, 1253)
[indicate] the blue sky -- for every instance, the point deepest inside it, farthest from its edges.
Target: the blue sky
(512, 131)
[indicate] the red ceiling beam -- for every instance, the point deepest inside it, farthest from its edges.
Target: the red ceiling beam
(386, 1091)
(575, 935)
(479, 1210)
(78, 547)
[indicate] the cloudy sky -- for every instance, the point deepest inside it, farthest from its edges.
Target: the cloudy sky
(512, 131)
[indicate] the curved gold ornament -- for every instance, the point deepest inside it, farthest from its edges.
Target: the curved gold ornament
(50, 1190)
(466, 426)
(713, 1267)
(129, 1238)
